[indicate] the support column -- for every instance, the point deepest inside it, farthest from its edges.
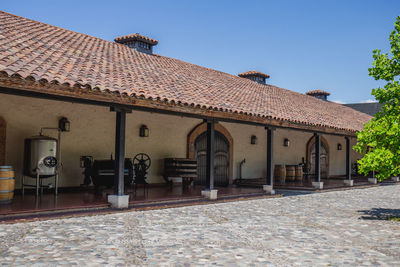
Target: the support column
(209, 191)
(348, 180)
(119, 153)
(317, 182)
(269, 183)
(372, 178)
(119, 200)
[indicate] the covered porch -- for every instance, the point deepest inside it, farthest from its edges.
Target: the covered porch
(169, 135)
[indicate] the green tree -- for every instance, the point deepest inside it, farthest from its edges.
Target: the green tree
(379, 141)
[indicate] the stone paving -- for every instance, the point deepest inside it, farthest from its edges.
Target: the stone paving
(320, 229)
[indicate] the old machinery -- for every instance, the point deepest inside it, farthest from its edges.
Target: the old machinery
(86, 163)
(101, 172)
(40, 156)
(40, 161)
(141, 163)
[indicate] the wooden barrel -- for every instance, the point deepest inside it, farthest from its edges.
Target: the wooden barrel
(290, 172)
(7, 183)
(280, 173)
(299, 173)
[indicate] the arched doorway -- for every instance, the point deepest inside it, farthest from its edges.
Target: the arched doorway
(324, 157)
(223, 162)
(2, 141)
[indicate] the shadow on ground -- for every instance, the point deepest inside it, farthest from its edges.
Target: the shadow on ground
(379, 214)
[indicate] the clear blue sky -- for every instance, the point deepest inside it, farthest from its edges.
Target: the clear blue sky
(303, 45)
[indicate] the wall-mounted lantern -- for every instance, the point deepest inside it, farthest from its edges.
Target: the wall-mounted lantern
(286, 142)
(64, 125)
(339, 146)
(253, 140)
(144, 131)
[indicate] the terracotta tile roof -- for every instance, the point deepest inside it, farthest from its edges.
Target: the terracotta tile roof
(317, 92)
(253, 73)
(34, 51)
(135, 37)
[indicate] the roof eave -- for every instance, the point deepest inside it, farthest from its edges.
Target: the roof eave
(108, 98)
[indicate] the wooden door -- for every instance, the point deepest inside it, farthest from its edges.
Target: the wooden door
(324, 160)
(221, 161)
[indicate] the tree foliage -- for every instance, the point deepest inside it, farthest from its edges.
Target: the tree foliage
(380, 138)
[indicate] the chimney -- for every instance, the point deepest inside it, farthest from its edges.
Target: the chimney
(255, 76)
(319, 94)
(138, 42)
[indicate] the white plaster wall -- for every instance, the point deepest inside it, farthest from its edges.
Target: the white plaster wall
(337, 158)
(296, 150)
(93, 129)
(255, 155)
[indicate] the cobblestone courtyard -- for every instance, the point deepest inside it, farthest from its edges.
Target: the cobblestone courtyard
(327, 229)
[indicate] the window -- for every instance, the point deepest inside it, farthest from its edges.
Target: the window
(258, 79)
(144, 45)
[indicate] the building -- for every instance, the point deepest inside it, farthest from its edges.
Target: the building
(368, 108)
(120, 98)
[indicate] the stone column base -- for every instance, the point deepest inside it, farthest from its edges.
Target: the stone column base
(318, 185)
(118, 202)
(210, 194)
(395, 179)
(349, 182)
(269, 189)
(373, 180)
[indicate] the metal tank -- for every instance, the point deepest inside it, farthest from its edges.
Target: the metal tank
(40, 156)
